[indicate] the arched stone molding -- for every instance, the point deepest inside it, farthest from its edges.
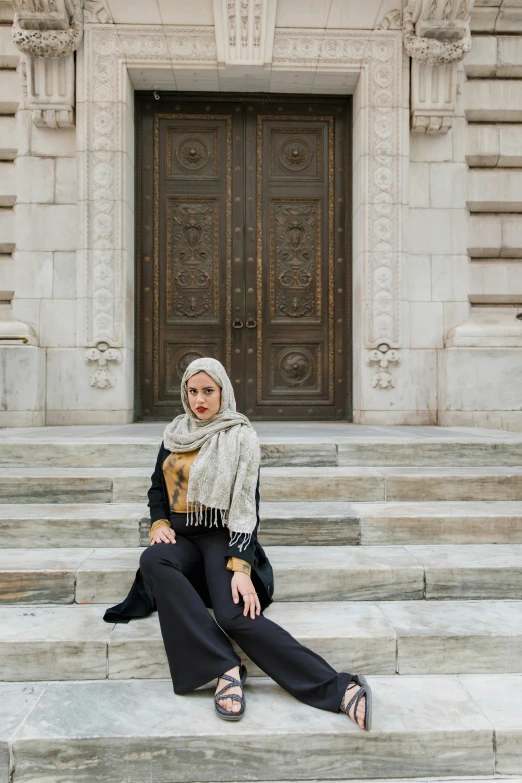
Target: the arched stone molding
(375, 59)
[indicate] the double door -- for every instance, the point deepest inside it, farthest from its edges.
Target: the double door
(243, 252)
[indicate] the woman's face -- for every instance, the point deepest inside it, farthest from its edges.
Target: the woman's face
(204, 395)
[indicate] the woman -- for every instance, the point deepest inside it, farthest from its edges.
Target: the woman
(205, 481)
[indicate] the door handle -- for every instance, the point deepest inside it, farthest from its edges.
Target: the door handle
(237, 323)
(251, 323)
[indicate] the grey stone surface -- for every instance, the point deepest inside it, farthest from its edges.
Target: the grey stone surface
(480, 571)
(449, 637)
(54, 485)
(421, 726)
(352, 637)
(500, 699)
(426, 452)
(301, 574)
(65, 525)
(53, 642)
(325, 523)
(293, 484)
(290, 524)
(39, 576)
(486, 522)
(421, 484)
(16, 700)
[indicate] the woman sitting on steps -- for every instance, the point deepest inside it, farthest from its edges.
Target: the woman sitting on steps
(205, 481)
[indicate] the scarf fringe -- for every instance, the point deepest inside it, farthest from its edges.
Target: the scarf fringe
(197, 515)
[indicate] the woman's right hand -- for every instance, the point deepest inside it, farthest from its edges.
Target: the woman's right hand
(163, 535)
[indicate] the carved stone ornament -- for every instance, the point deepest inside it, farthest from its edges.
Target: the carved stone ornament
(101, 356)
(47, 28)
(437, 36)
(242, 27)
(383, 356)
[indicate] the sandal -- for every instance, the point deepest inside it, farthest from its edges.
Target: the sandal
(364, 690)
(221, 711)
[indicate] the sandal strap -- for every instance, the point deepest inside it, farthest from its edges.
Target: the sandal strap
(234, 696)
(232, 682)
(356, 698)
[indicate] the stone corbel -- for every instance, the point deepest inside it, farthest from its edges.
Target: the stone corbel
(383, 356)
(437, 36)
(48, 32)
(101, 357)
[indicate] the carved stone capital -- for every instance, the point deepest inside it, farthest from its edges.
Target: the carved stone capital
(100, 357)
(47, 28)
(437, 36)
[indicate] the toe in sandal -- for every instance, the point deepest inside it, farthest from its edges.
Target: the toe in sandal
(221, 711)
(364, 690)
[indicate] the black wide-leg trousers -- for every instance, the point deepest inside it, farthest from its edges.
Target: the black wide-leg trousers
(197, 646)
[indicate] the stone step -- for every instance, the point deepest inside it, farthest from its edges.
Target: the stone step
(408, 637)
(422, 726)
(495, 236)
(302, 573)
(10, 91)
(125, 485)
(8, 141)
(494, 190)
(337, 450)
(494, 145)
(321, 524)
(494, 56)
(492, 100)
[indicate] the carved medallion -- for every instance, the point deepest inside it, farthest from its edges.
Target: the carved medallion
(193, 154)
(296, 152)
(296, 155)
(296, 365)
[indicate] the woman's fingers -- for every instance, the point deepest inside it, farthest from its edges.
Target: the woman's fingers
(246, 601)
(258, 605)
(235, 594)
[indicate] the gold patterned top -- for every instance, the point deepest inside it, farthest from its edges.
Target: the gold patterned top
(176, 469)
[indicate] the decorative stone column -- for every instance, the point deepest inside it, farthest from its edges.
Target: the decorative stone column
(48, 32)
(436, 35)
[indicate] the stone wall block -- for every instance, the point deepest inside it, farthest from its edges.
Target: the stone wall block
(481, 61)
(58, 323)
(22, 386)
(483, 145)
(431, 148)
(419, 184)
(66, 189)
(64, 276)
(426, 325)
(437, 231)
(35, 179)
(31, 275)
(46, 227)
(450, 278)
(481, 379)
(416, 278)
(447, 185)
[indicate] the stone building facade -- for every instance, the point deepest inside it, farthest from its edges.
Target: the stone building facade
(394, 294)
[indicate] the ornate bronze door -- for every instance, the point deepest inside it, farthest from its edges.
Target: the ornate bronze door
(243, 252)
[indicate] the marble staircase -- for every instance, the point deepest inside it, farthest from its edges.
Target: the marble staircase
(397, 552)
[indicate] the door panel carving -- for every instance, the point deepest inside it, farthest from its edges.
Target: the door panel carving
(243, 251)
(295, 259)
(192, 259)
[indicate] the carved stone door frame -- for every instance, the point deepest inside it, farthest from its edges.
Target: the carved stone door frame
(105, 138)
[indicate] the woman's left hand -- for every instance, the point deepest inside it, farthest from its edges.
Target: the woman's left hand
(242, 586)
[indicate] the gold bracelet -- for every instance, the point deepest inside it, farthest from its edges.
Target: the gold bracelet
(158, 523)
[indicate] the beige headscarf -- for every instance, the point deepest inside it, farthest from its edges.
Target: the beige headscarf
(224, 474)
